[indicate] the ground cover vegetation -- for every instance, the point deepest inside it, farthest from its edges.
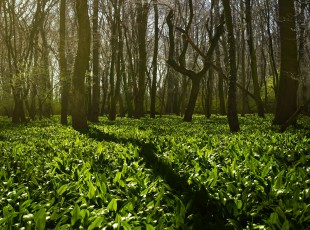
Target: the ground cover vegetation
(155, 174)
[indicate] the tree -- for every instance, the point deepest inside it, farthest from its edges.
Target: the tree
(286, 103)
(94, 117)
(180, 67)
(79, 108)
(231, 103)
(253, 60)
(64, 79)
(142, 16)
(154, 62)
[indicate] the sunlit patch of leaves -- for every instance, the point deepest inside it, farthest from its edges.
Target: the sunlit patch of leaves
(53, 177)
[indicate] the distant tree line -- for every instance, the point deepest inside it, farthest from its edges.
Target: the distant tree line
(145, 57)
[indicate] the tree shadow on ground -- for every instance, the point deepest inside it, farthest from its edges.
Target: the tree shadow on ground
(202, 212)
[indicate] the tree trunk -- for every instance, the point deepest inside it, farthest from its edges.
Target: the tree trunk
(243, 72)
(248, 19)
(79, 109)
(271, 51)
(154, 63)
(48, 91)
(170, 93)
(188, 116)
(209, 94)
(288, 83)
(232, 104)
(18, 111)
(96, 80)
(64, 80)
(142, 16)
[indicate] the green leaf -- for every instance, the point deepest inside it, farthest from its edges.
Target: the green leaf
(149, 227)
(91, 190)
(62, 189)
(40, 219)
(112, 206)
(76, 214)
(125, 225)
(96, 223)
(286, 225)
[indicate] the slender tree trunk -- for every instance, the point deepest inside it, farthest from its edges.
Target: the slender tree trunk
(209, 93)
(271, 51)
(170, 93)
(243, 72)
(96, 80)
(248, 19)
(79, 106)
(48, 91)
(64, 79)
(288, 82)
(232, 104)
(154, 63)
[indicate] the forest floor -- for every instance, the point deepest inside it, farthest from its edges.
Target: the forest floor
(155, 174)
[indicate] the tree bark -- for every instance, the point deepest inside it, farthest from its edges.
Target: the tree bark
(232, 104)
(288, 83)
(154, 62)
(64, 79)
(248, 19)
(79, 107)
(142, 16)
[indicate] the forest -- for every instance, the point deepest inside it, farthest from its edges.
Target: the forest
(154, 114)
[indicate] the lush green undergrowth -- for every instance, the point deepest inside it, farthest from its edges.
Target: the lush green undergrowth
(154, 174)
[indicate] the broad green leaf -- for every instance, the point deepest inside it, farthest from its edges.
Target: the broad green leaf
(40, 219)
(286, 225)
(125, 225)
(76, 214)
(62, 189)
(96, 223)
(91, 190)
(112, 206)
(149, 227)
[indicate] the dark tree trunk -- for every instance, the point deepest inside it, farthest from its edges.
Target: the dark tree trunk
(232, 104)
(192, 100)
(288, 82)
(243, 71)
(209, 94)
(181, 68)
(220, 85)
(142, 16)
(64, 79)
(154, 63)
(18, 111)
(79, 109)
(170, 91)
(218, 63)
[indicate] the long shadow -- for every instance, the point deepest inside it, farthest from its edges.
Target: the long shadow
(202, 212)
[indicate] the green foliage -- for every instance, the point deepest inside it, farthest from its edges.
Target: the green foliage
(154, 174)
